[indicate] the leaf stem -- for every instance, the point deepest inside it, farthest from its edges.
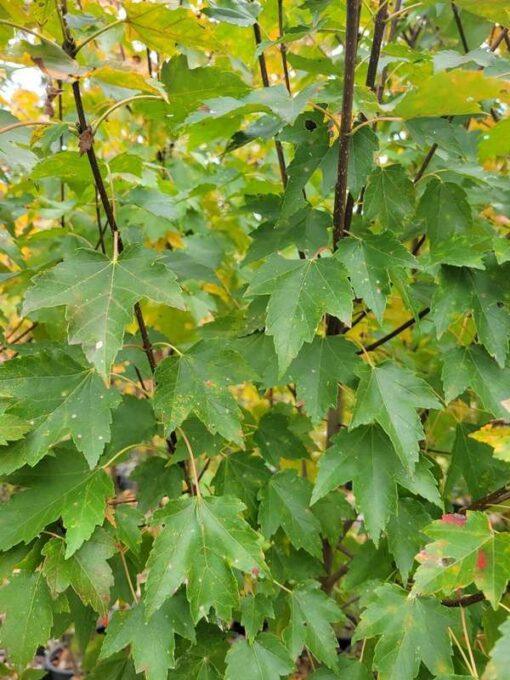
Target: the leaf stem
(12, 24)
(192, 461)
(120, 103)
(98, 33)
(468, 643)
(128, 575)
(28, 123)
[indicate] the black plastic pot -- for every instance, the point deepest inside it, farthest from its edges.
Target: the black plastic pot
(55, 673)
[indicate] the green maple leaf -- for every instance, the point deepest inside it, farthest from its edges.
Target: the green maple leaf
(284, 502)
(275, 438)
(62, 486)
(499, 663)
(445, 211)
(366, 457)
(311, 614)
(301, 292)
(473, 461)
(242, 475)
(59, 396)
(411, 630)
(86, 571)
(465, 550)
(12, 427)
(255, 609)
(197, 383)
(28, 609)
(389, 196)
(156, 479)
(369, 261)
(405, 536)
(472, 367)
(309, 155)
(152, 640)
(264, 659)
(201, 542)
(388, 395)
(99, 295)
(318, 369)
(117, 667)
(465, 290)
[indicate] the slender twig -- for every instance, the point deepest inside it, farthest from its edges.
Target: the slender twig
(99, 32)
(283, 47)
(499, 39)
(460, 27)
(375, 51)
(265, 81)
(464, 601)
(461, 650)
(407, 324)
(351, 46)
(495, 497)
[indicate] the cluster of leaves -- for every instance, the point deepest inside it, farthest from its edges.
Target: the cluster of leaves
(254, 389)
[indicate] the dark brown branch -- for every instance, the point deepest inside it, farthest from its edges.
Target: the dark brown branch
(351, 46)
(375, 52)
(500, 495)
(464, 601)
(382, 341)
(265, 81)
(503, 34)
(460, 27)
(69, 47)
(283, 47)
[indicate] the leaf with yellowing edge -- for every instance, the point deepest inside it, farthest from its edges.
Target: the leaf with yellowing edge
(497, 435)
(465, 550)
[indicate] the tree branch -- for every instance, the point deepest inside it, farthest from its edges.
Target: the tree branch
(407, 324)
(464, 601)
(351, 46)
(375, 52)
(283, 47)
(265, 81)
(493, 498)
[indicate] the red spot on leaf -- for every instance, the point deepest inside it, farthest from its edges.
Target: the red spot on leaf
(255, 571)
(481, 560)
(458, 520)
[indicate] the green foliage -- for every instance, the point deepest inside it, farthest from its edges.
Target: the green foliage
(254, 325)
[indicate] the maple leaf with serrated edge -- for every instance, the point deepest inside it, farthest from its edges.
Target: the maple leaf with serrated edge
(465, 550)
(58, 395)
(197, 383)
(62, 486)
(405, 535)
(410, 629)
(151, 640)
(263, 659)
(311, 614)
(318, 369)
(389, 395)
(284, 502)
(86, 571)
(472, 367)
(389, 196)
(301, 292)
(499, 662)
(255, 609)
(366, 457)
(241, 474)
(369, 261)
(12, 428)
(201, 542)
(26, 603)
(99, 294)
(464, 290)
